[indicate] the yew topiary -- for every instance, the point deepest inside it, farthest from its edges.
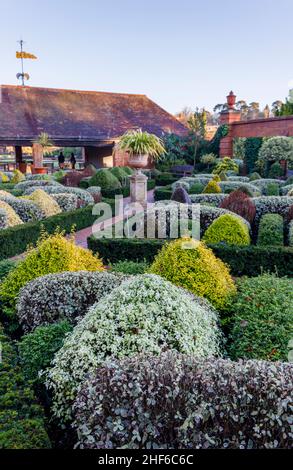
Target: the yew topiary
(190, 264)
(180, 195)
(105, 179)
(227, 229)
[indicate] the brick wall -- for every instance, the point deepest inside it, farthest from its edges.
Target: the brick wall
(256, 128)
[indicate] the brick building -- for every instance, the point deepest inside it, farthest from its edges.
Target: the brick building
(88, 119)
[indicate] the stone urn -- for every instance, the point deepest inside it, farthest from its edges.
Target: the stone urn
(138, 161)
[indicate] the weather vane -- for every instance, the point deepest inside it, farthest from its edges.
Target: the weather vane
(23, 55)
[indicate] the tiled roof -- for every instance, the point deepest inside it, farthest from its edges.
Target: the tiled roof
(25, 112)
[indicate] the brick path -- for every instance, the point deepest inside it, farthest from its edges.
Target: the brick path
(82, 236)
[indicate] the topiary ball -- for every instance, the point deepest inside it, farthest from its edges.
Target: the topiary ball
(145, 314)
(227, 229)
(52, 254)
(180, 195)
(67, 295)
(190, 264)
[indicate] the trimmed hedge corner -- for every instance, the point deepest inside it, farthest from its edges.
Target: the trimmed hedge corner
(243, 260)
(14, 240)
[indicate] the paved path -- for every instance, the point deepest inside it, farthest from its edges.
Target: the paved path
(82, 236)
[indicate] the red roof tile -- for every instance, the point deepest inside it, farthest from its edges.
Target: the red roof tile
(25, 112)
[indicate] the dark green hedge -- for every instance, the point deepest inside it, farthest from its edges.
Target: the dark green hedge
(118, 249)
(161, 194)
(14, 240)
(21, 417)
(249, 261)
(166, 179)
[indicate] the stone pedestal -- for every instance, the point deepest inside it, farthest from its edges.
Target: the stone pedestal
(138, 188)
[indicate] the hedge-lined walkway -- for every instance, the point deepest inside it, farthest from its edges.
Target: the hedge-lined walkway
(82, 235)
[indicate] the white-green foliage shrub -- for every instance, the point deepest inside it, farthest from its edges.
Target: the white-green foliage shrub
(276, 149)
(66, 201)
(287, 189)
(174, 401)
(263, 183)
(84, 197)
(214, 199)
(187, 181)
(3, 219)
(233, 185)
(68, 295)
(271, 205)
(165, 214)
(144, 314)
(24, 185)
(27, 210)
(241, 179)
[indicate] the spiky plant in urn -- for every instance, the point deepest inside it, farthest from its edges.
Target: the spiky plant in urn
(140, 146)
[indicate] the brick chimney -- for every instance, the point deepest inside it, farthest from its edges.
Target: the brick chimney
(228, 117)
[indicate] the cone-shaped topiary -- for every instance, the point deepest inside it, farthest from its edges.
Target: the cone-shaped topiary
(228, 229)
(190, 264)
(53, 254)
(180, 195)
(17, 177)
(105, 179)
(212, 187)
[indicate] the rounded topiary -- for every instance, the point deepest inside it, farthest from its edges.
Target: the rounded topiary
(272, 189)
(212, 187)
(180, 195)
(68, 295)
(276, 149)
(190, 264)
(240, 203)
(179, 402)
(276, 170)
(45, 202)
(129, 170)
(271, 230)
(105, 179)
(120, 174)
(262, 318)
(26, 210)
(196, 188)
(227, 229)
(52, 254)
(145, 314)
(12, 217)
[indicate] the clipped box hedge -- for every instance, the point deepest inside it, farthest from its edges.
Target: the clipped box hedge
(243, 260)
(162, 194)
(14, 240)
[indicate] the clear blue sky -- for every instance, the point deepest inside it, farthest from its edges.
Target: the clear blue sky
(178, 52)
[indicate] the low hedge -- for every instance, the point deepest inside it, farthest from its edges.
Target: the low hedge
(165, 179)
(14, 240)
(162, 194)
(247, 260)
(21, 417)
